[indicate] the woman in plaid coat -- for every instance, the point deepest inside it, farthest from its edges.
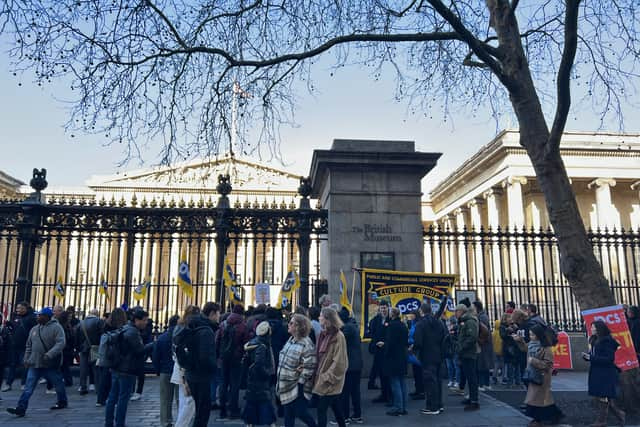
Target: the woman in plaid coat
(295, 372)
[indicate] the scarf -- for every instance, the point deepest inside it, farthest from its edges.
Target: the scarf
(534, 347)
(326, 336)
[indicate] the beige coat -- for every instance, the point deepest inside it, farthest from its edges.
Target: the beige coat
(540, 395)
(331, 371)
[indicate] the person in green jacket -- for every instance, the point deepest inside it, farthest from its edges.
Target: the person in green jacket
(467, 349)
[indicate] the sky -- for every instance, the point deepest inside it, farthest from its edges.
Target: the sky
(348, 105)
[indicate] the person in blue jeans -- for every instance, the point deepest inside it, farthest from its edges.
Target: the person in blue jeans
(395, 362)
(43, 356)
(123, 376)
(19, 327)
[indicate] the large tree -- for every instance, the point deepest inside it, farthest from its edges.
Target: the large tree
(169, 70)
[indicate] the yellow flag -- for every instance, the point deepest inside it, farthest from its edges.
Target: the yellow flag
(102, 289)
(291, 283)
(344, 298)
(140, 291)
(58, 290)
(229, 280)
(184, 277)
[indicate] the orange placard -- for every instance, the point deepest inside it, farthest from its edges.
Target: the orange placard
(562, 352)
(614, 318)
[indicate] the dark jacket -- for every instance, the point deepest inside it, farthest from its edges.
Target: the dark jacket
(378, 332)
(131, 349)
(205, 364)
(428, 339)
(509, 347)
(21, 326)
(260, 366)
(93, 326)
(634, 328)
(241, 336)
(603, 373)
(354, 349)
(162, 355)
(467, 344)
(395, 349)
(5, 344)
(279, 337)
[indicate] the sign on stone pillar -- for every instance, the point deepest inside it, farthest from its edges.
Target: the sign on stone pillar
(372, 192)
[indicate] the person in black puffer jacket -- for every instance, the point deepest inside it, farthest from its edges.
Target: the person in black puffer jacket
(199, 376)
(351, 389)
(22, 323)
(259, 365)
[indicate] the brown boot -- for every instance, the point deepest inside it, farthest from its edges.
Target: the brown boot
(619, 413)
(603, 411)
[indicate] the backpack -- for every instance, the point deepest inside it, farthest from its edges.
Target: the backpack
(483, 333)
(109, 354)
(185, 347)
(227, 347)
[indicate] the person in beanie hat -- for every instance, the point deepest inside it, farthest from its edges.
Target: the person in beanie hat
(259, 366)
(467, 349)
(43, 356)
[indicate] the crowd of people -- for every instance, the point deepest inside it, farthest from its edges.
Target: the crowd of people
(290, 363)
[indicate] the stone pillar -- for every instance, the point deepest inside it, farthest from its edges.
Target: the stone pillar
(492, 255)
(515, 203)
(372, 192)
(461, 221)
(476, 265)
(635, 225)
(607, 214)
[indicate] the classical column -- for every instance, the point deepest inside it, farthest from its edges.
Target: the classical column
(461, 215)
(493, 196)
(515, 202)
(636, 186)
(477, 264)
(607, 214)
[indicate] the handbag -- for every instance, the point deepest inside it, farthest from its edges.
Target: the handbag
(55, 362)
(93, 349)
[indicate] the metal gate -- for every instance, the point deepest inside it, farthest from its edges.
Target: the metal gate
(83, 244)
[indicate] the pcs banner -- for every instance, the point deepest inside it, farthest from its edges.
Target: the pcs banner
(404, 290)
(617, 322)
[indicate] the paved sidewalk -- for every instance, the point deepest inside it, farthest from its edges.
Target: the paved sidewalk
(145, 412)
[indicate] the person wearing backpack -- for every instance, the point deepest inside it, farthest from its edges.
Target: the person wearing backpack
(230, 341)
(123, 372)
(43, 356)
(88, 339)
(259, 365)
(485, 357)
(467, 349)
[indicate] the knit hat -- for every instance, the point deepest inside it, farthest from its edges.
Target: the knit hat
(263, 329)
(238, 309)
(45, 311)
(462, 307)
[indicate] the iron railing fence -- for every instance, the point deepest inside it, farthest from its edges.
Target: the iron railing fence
(83, 244)
(524, 266)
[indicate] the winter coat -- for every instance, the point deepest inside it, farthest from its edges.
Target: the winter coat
(162, 355)
(378, 331)
(603, 373)
(295, 353)
(428, 340)
(131, 350)
(21, 326)
(510, 350)
(395, 349)
(485, 357)
(332, 367)
(496, 339)
(93, 326)
(540, 395)
(205, 362)
(45, 341)
(68, 353)
(467, 344)
(260, 366)
(634, 328)
(279, 337)
(240, 338)
(5, 345)
(354, 349)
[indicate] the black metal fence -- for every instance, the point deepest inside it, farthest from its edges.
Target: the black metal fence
(83, 244)
(524, 266)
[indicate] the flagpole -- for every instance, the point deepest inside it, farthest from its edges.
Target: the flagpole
(353, 288)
